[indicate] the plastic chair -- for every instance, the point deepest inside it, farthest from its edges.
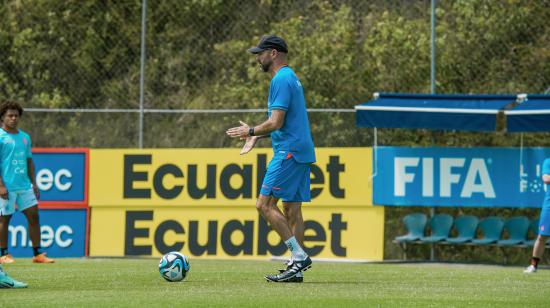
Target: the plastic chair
(466, 227)
(440, 224)
(491, 227)
(517, 228)
(415, 224)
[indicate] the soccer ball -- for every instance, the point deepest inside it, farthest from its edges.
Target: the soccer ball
(173, 266)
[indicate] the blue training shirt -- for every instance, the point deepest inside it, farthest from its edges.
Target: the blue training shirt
(14, 151)
(286, 93)
(546, 170)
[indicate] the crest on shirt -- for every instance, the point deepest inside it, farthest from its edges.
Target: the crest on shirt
(25, 141)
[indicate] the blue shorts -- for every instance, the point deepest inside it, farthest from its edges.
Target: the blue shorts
(544, 221)
(287, 179)
(24, 199)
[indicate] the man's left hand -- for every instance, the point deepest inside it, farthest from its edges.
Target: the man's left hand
(249, 143)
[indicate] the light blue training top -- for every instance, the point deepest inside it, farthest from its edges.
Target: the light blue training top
(286, 93)
(14, 151)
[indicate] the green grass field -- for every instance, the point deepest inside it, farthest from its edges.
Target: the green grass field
(136, 282)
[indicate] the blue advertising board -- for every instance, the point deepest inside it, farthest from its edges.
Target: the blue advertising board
(475, 177)
(61, 176)
(63, 233)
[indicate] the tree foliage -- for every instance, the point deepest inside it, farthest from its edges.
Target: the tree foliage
(74, 54)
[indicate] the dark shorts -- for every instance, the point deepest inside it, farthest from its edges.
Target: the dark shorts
(287, 179)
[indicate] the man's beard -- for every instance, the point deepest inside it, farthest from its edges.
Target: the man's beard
(265, 67)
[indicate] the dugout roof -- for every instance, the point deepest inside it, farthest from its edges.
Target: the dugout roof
(532, 115)
(525, 113)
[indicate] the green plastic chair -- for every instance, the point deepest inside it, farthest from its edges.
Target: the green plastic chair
(491, 228)
(415, 224)
(441, 225)
(517, 228)
(466, 228)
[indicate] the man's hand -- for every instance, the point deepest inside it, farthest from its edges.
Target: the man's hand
(249, 144)
(239, 131)
(3, 192)
(36, 192)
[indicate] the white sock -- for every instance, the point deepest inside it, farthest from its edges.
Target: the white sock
(297, 252)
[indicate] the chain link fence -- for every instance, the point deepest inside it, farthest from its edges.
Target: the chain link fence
(79, 55)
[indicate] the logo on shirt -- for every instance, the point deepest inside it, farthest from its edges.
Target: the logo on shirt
(298, 83)
(25, 142)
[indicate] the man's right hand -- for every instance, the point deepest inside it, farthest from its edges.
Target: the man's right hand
(3, 192)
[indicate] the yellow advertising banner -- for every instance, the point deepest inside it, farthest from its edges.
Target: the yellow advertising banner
(233, 232)
(214, 177)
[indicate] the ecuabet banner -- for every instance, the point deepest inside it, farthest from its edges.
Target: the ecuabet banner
(480, 177)
(219, 177)
(227, 232)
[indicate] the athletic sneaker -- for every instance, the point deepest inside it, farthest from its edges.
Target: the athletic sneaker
(6, 282)
(287, 265)
(6, 259)
(291, 271)
(297, 278)
(41, 258)
(530, 270)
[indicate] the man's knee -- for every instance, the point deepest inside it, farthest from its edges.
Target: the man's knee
(261, 205)
(542, 238)
(265, 204)
(32, 216)
(292, 211)
(287, 210)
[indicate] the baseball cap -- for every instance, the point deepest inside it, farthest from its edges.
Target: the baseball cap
(270, 42)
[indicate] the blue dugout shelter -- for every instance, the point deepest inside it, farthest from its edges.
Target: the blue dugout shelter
(524, 113)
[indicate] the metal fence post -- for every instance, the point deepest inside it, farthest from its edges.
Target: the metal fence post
(142, 69)
(432, 84)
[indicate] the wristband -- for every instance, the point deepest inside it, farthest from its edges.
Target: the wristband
(251, 131)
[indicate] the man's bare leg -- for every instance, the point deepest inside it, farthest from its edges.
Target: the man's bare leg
(267, 207)
(293, 215)
(538, 251)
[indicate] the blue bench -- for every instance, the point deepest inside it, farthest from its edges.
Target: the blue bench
(493, 230)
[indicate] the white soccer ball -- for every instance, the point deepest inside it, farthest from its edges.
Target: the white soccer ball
(173, 266)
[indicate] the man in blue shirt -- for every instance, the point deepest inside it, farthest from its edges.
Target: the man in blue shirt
(544, 222)
(288, 173)
(17, 182)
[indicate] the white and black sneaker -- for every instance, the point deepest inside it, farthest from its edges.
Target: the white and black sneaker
(531, 269)
(288, 264)
(291, 271)
(299, 278)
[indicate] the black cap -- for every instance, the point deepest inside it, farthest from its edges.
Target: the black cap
(270, 42)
